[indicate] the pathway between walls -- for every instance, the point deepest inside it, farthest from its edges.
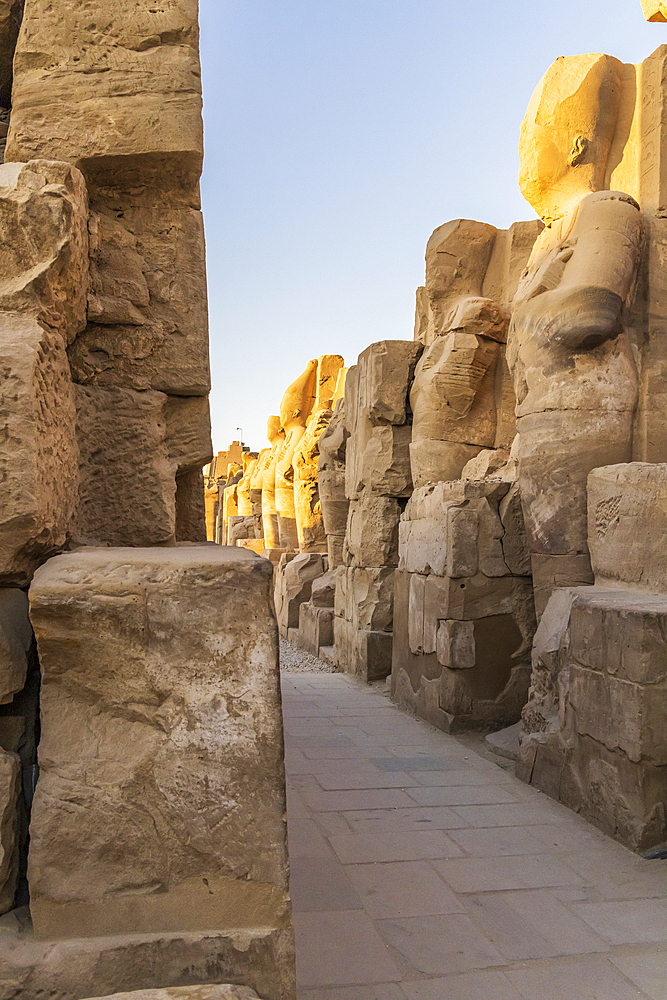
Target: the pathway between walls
(423, 871)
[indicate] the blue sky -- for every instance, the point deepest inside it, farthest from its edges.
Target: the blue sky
(338, 135)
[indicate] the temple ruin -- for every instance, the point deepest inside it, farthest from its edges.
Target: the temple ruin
(490, 490)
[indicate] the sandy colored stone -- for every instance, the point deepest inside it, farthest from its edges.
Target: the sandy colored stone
(569, 346)
(293, 587)
(654, 10)
(362, 653)
(188, 993)
(372, 531)
(15, 641)
(324, 589)
(38, 456)
(332, 447)
(10, 22)
(263, 959)
(164, 662)
(329, 387)
(315, 628)
(44, 243)
(376, 401)
(10, 784)
(126, 106)
(295, 408)
(627, 515)
(148, 326)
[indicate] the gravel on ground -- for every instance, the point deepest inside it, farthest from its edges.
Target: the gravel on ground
(297, 661)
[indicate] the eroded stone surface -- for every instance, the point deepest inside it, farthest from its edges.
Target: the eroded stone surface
(160, 704)
(39, 454)
(15, 642)
(10, 778)
(188, 993)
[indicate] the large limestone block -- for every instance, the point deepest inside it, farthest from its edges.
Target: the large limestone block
(362, 653)
(10, 782)
(127, 487)
(376, 408)
(38, 454)
(293, 587)
(188, 993)
(44, 244)
(372, 531)
(454, 529)
(141, 455)
(263, 959)
(627, 516)
(369, 597)
(15, 642)
(148, 326)
(123, 84)
(161, 708)
(315, 628)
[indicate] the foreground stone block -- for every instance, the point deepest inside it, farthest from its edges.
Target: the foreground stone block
(161, 707)
(38, 453)
(44, 242)
(61, 970)
(129, 103)
(188, 993)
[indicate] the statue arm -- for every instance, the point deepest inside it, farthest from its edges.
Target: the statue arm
(585, 309)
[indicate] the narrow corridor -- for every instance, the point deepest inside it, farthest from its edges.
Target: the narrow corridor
(423, 871)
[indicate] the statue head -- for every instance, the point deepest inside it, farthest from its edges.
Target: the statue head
(274, 429)
(568, 131)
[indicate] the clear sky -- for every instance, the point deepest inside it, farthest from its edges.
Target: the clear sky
(338, 135)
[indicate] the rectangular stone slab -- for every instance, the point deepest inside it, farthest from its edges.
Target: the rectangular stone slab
(160, 804)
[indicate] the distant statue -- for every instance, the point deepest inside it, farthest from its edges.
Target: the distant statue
(307, 507)
(295, 409)
(572, 359)
(265, 480)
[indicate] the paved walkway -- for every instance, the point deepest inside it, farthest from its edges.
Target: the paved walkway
(421, 870)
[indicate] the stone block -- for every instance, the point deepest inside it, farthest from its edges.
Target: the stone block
(10, 22)
(124, 467)
(516, 553)
(428, 603)
(456, 644)
(44, 244)
(369, 597)
(654, 10)
(263, 959)
(15, 642)
(160, 706)
(554, 572)
(293, 587)
(38, 454)
(10, 784)
(372, 531)
(148, 326)
(128, 107)
(362, 653)
(453, 529)
(627, 512)
(315, 628)
(324, 590)
(188, 993)
(376, 400)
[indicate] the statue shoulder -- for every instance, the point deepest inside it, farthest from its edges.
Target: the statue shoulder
(608, 199)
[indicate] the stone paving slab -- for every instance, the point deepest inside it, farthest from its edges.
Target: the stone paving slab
(423, 871)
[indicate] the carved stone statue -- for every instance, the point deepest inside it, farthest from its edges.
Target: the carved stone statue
(571, 356)
(295, 409)
(307, 507)
(276, 436)
(452, 396)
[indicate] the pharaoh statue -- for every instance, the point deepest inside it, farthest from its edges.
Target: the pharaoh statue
(276, 436)
(243, 488)
(569, 347)
(228, 501)
(295, 409)
(453, 392)
(329, 388)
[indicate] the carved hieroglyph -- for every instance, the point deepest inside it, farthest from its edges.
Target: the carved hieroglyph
(571, 356)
